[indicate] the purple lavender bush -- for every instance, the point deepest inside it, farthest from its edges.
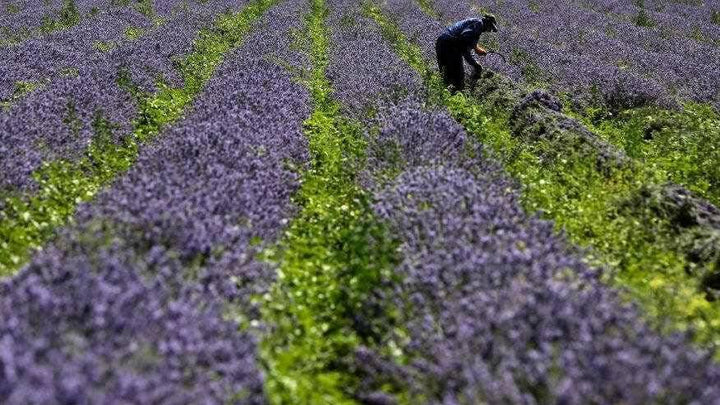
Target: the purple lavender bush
(148, 295)
(21, 20)
(80, 82)
(363, 67)
(140, 301)
(497, 307)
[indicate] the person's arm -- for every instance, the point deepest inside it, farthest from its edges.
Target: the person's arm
(470, 60)
(480, 50)
(469, 38)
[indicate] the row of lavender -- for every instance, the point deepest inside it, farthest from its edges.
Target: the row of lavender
(21, 19)
(16, 16)
(696, 19)
(139, 302)
(80, 82)
(24, 19)
(496, 306)
(587, 50)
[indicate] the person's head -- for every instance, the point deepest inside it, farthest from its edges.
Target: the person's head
(489, 23)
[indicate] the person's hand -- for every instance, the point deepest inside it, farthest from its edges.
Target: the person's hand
(480, 50)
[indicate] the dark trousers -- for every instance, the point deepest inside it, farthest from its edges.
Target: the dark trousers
(450, 61)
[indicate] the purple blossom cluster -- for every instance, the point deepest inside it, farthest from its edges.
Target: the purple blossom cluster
(592, 53)
(20, 19)
(142, 299)
(681, 18)
(363, 67)
(17, 17)
(417, 25)
(91, 329)
(80, 81)
(497, 307)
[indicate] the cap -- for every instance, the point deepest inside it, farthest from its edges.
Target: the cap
(490, 22)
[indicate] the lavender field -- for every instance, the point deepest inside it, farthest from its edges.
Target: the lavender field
(279, 201)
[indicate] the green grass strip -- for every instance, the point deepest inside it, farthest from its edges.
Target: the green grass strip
(679, 145)
(428, 8)
(332, 256)
(640, 250)
(21, 90)
(29, 221)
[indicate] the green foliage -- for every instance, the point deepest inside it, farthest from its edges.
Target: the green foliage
(71, 119)
(28, 221)
(10, 36)
(428, 8)
(638, 248)
(611, 32)
(133, 33)
(534, 6)
(643, 19)
(25, 87)
(48, 25)
(334, 254)
(22, 89)
(679, 145)
(715, 17)
(347, 21)
(69, 16)
(331, 258)
(698, 35)
(104, 46)
(145, 7)
(533, 74)
(12, 8)
(164, 107)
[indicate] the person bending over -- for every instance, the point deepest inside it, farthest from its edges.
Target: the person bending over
(456, 42)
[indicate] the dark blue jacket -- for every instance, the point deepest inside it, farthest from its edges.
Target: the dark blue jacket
(465, 35)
